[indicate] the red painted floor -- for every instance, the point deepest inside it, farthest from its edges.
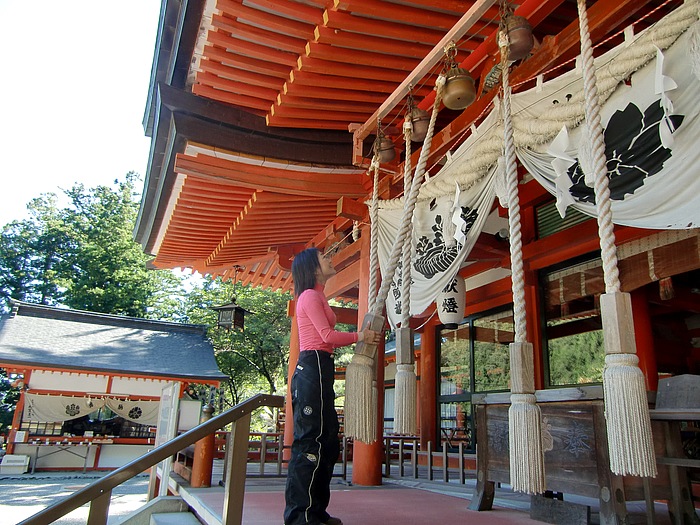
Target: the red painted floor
(386, 506)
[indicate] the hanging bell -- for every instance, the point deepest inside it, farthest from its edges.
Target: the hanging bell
(385, 149)
(459, 89)
(420, 119)
(520, 37)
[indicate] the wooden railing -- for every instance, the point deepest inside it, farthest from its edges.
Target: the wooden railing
(98, 494)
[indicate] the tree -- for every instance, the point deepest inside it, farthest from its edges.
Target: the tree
(84, 256)
(256, 358)
(9, 395)
(30, 255)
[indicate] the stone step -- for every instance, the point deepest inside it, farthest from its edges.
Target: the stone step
(174, 518)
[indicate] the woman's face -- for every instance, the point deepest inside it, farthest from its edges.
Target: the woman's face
(325, 270)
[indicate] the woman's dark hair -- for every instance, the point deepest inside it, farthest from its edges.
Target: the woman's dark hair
(304, 268)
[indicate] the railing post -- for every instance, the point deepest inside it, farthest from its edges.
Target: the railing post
(430, 460)
(345, 458)
(461, 462)
(414, 459)
(445, 459)
(99, 509)
(263, 452)
(401, 458)
(387, 456)
(236, 460)
(280, 451)
(203, 460)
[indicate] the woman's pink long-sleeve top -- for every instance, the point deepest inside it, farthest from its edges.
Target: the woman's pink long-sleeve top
(316, 323)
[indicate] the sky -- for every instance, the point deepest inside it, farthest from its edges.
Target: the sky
(73, 86)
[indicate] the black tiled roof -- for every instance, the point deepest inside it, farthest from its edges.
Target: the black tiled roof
(44, 336)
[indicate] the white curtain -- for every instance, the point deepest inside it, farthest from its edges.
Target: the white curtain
(49, 408)
(143, 412)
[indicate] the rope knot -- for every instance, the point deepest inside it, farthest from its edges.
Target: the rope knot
(621, 360)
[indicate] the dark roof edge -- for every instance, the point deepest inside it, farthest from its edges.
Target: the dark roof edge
(8, 363)
(178, 27)
(51, 312)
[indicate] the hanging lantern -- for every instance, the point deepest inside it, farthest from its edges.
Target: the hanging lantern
(385, 149)
(451, 302)
(230, 315)
(420, 119)
(520, 37)
(459, 89)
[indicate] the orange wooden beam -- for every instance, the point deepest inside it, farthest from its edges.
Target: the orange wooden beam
(251, 49)
(246, 63)
(231, 98)
(338, 37)
(241, 30)
(292, 182)
(330, 67)
(280, 24)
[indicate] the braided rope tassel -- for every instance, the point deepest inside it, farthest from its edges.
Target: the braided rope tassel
(524, 416)
(630, 443)
(405, 380)
(356, 404)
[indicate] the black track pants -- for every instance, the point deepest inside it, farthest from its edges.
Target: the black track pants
(315, 448)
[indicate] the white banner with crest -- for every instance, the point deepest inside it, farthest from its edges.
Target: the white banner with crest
(651, 127)
(444, 232)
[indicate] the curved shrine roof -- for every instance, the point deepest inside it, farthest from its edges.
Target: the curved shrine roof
(48, 337)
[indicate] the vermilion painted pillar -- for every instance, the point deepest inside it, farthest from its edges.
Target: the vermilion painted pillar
(293, 358)
(419, 389)
(534, 326)
(533, 309)
(644, 338)
(19, 409)
(428, 384)
(203, 460)
(367, 459)
(16, 422)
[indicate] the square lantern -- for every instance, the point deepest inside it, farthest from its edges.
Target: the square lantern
(230, 315)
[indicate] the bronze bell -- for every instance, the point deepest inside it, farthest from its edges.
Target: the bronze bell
(459, 89)
(420, 119)
(385, 149)
(520, 37)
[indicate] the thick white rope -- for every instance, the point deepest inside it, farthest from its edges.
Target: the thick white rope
(596, 141)
(374, 235)
(407, 244)
(410, 202)
(531, 132)
(630, 442)
(405, 380)
(524, 416)
(516, 239)
(360, 391)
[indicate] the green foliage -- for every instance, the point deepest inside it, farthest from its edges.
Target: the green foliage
(577, 359)
(9, 396)
(491, 366)
(256, 358)
(455, 357)
(84, 256)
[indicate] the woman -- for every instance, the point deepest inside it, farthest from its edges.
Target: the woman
(315, 448)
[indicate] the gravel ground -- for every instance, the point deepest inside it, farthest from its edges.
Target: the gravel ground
(22, 496)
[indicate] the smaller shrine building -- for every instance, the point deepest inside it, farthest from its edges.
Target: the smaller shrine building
(91, 383)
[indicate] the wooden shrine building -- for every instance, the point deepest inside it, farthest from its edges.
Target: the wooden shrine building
(91, 383)
(263, 117)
